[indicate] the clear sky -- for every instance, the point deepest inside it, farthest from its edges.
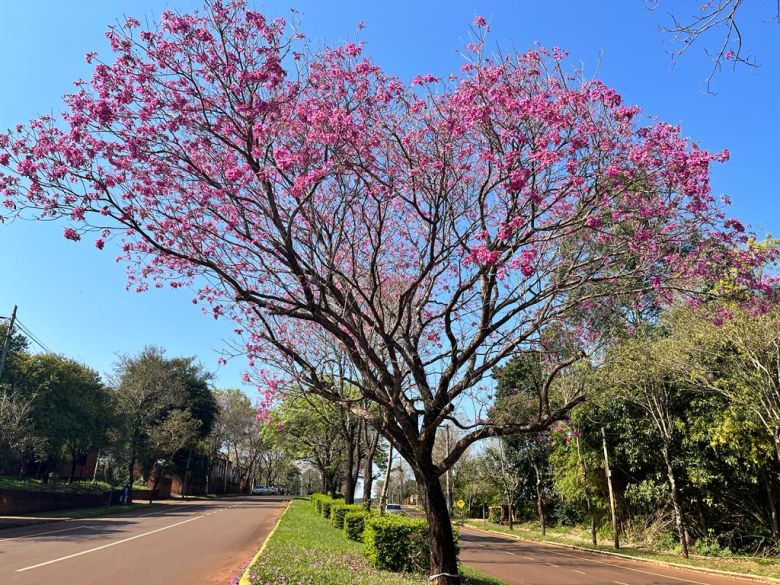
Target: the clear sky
(72, 296)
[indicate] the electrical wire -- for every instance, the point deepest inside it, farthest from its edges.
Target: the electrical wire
(26, 330)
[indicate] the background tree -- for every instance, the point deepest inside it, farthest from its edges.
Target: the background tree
(176, 432)
(147, 389)
(643, 371)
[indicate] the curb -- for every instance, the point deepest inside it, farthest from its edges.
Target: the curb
(245, 575)
(757, 578)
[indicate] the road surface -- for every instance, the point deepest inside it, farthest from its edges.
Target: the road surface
(532, 563)
(200, 542)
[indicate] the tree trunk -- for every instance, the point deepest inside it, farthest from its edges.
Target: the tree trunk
(444, 561)
(679, 519)
(772, 505)
(349, 483)
(612, 509)
(368, 473)
(72, 466)
(511, 514)
(130, 473)
(540, 500)
(586, 490)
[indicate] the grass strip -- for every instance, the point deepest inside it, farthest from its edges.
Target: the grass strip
(53, 485)
(306, 549)
(576, 536)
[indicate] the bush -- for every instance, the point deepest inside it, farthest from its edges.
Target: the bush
(355, 523)
(316, 500)
(495, 514)
(398, 543)
(327, 504)
(338, 511)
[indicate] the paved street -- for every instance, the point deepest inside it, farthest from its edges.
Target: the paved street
(192, 543)
(533, 563)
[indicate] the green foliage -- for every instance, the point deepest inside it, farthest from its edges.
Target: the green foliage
(306, 549)
(339, 510)
(494, 514)
(709, 546)
(397, 543)
(355, 524)
(327, 506)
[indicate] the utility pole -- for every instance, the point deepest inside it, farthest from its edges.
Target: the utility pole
(586, 489)
(449, 485)
(383, 498)
(608, 472)
(7, 340)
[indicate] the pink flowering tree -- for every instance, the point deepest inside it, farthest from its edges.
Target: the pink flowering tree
(426, 231)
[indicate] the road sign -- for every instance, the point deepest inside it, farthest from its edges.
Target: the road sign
(460, 503)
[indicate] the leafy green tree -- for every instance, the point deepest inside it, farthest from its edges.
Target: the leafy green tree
(177, 431)
(147, 389)
(643, 370)
(71, 409)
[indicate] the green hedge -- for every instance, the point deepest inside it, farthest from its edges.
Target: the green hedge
(397, 543)
(316, 500)
(339, 510)
(327, 506)
(355, 524)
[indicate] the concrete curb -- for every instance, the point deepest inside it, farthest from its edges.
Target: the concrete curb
(245, 575)
(757, 578)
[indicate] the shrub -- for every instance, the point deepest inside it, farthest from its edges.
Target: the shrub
(398, 543)
(495, 514)
(327, 504)
(338, 511)
(316, 500)
(355, 523)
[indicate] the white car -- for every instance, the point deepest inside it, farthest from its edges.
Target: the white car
(393, 509)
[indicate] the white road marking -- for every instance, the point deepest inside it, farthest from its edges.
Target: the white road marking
(553, 565)
(620, 583)
(529, 558)
(97, 548)
(587, 558)
(580, 572)
(41, 533)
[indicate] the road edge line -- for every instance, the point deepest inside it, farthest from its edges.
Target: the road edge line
(749, 576)
(245, 575)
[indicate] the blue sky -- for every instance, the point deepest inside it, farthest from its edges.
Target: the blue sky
(72, 296)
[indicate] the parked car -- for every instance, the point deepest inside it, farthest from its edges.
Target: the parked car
(393, 509)
(263, 490)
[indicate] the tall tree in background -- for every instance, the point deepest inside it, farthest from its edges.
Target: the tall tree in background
(643, 370)
(147, 389)
(239, 433)
(430, 231)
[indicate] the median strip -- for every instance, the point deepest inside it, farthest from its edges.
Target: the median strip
(245, 577)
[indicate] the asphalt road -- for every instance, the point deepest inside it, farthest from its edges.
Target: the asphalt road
(538, 564)
(200, 542)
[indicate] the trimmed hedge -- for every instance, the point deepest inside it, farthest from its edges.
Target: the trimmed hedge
(355, 524)
(339, 510)
(397, 543)
(327, 506)
(316, 500)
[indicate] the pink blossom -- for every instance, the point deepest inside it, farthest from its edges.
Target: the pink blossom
(71, 234)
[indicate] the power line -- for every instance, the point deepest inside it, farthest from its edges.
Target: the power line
(26, 330)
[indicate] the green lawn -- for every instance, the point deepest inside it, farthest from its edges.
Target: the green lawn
(579, 536)
(308, 550)
(54, 485)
